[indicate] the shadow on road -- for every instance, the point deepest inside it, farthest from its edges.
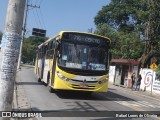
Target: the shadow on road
(26, 67)
(109, 96)
(80, 95)
(111, 89)
(29, 83)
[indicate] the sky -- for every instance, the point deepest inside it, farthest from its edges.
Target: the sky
(57, 15)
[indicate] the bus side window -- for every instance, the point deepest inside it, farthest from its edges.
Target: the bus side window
(53, 44)
(57, 44)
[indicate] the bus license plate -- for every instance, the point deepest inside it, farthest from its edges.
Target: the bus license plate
(83, 86)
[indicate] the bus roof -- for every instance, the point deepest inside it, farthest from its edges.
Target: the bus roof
(46, 42)
(61, 32)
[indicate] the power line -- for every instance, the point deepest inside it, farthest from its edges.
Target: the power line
(38, 18)
(40, 2)
(36, 21)
(42, 19)
(24, 30)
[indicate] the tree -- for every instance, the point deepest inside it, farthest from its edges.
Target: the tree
(106, 30)
(30, 46)
(124, 45)
(152, 29)
(131, 46)
(137, 18)
(124, 15)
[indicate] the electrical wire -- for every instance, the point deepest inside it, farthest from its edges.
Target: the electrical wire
(36, 13)
(36, 21)
(44, 26)
(41, 14)
(40, 2)
(38, 18)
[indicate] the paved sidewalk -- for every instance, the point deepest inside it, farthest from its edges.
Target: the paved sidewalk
(20, 101)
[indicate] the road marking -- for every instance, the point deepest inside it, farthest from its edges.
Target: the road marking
(134, 103)
(130, 104)
(149, 104)
(137, 105)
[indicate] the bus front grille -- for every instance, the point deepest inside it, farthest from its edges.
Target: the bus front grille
(80, 81)
(86, 87)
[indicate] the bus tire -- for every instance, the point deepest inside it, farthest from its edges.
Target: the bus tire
(51, 90)
(48, 77)
(39, 79)
(88, 93)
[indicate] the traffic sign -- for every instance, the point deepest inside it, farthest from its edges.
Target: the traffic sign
(38, 32)
(153, 66)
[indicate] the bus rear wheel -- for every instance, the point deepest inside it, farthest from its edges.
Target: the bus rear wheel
(48, 77)
(51, 90)
(39, 79)
(88, 93)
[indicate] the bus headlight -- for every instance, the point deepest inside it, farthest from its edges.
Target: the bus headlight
(62, 77)
(102, 81)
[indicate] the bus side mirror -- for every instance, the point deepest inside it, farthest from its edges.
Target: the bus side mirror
(57, 44)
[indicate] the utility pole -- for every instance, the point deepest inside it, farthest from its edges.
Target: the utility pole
(23, 36)
(10, 46)
(24, 32)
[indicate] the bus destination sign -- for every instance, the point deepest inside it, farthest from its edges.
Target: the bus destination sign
(84, 38)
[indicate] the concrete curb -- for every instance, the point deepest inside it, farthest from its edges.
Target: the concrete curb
(14, 105)
(26, 65)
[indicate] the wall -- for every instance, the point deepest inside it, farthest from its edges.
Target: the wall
(112, 73)
(150, 81)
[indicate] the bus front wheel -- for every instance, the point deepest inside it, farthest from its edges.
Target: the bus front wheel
(51, 90)
(39, 79)
(48, 77)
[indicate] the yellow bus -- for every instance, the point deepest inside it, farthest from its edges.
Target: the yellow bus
(74, 61)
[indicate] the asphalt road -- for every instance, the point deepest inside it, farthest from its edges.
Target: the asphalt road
(63, 105)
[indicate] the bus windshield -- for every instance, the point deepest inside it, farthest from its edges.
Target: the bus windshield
(83, 56)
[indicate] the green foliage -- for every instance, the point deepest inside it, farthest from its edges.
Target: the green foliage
(131, 21)
(30, 46)
(124, 15)
(106, 30)
(127, 46)
(131, 46)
